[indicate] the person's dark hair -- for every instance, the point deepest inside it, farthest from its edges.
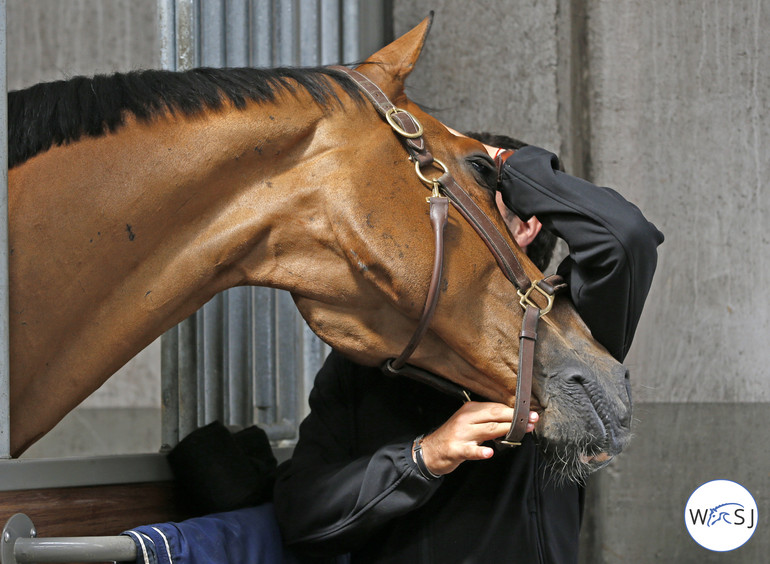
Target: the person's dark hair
(540, 250)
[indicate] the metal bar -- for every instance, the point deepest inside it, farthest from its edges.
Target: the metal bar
(211, 344)
(261, 51)
(350, 42)
(185, 31)
(167, 35)
(212, 28)
(263, 337)
(188, 373)
(289, 365)
(169, 341)
(286, 36)
(330, 32)
(309, 31)
(239, 358)
(71, 549)
(5, 364)
(237, 33)
(169, 389)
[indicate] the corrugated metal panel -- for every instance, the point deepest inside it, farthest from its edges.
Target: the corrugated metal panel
(247, 356)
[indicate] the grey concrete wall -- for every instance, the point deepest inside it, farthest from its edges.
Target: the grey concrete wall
(678, 113)
(58, 39)
(667, 102)
(476, 72)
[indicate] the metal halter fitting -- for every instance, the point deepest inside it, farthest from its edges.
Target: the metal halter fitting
(445, 188)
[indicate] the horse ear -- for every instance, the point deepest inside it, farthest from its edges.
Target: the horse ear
(390, 66)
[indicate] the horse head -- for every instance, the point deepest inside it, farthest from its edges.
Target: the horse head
(380, 224)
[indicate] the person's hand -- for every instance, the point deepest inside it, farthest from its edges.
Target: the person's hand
(460, 438)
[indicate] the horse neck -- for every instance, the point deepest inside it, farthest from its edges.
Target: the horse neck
(128, 234)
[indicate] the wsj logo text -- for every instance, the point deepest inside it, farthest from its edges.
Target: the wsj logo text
(731, 513)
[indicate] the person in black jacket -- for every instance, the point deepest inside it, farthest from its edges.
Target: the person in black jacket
(353, 486)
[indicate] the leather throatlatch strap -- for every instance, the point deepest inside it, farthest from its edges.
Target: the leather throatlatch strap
(410, 132)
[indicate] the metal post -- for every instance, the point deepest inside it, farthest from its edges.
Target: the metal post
(166, 25)
(5, 381)
(186, 32)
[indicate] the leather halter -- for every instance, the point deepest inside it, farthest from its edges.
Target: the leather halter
(410, 131)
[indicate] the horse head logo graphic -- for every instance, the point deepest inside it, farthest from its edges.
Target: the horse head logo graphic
(720, 514)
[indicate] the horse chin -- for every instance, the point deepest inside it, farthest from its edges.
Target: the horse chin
(571, 462)
(572, 457)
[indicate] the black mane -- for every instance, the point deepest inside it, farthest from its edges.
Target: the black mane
(60, 112)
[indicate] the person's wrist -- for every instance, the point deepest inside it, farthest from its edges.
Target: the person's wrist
(419, 459)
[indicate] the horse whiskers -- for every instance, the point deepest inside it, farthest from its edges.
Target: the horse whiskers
(570, 462)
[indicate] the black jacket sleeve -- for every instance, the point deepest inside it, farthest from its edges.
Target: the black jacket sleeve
(612, 247)
(328, 499)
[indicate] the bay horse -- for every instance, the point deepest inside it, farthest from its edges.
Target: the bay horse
(135, 198)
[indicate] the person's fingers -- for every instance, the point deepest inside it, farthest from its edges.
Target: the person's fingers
(534, 417)
(480, 412)
(477, 452)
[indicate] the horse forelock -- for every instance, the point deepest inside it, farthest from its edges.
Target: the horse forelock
(63, 111)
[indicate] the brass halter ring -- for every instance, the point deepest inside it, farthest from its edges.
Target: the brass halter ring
(400, 130)
(432, 182)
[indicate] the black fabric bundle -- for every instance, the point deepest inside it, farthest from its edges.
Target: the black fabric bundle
(217, 470)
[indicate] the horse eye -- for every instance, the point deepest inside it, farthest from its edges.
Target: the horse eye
(485, 171)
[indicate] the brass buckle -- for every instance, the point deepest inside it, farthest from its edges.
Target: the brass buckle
(400, 130)
(527, 301)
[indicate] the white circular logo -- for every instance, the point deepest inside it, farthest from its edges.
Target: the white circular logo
(721, 515)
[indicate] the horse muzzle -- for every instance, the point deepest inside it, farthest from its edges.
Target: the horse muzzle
(586, 418)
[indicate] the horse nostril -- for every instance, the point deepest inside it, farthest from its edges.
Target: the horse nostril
(626, 421)
(627, 382)
(575, 378)
(625, 412)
